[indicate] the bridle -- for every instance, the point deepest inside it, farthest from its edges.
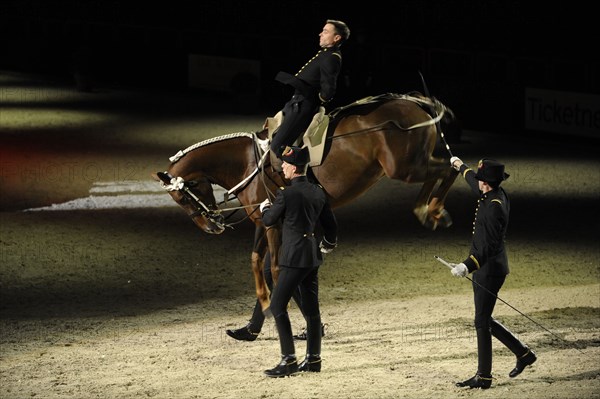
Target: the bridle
(215, 216)
(201, 209)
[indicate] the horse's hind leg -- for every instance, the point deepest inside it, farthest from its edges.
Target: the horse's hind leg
(435, 208)
(421, 210)
(429, 208)
(436, 205)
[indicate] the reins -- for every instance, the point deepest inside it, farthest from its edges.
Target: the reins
(390, 96)
(395, 123)
(232, 194)
(437, 125)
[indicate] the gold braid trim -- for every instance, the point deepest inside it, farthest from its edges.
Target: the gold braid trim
(475, 260)
(526, 353)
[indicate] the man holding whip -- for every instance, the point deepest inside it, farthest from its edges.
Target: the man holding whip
(488, 262)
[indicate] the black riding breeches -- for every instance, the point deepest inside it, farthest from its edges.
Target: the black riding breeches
(485, 291)
(258, 317)
(297, 115)
(290, 279)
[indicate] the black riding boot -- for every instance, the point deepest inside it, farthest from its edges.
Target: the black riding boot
(312, 361)
(251, 330)
(507, 338)
(313, 336)
(483, 378)
(484, 352)
(286, 367)
(476, 381)
(525, 356)
(258, 318)
(286, 340)
(288, 364)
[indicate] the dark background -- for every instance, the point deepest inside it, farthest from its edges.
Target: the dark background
(476, 56)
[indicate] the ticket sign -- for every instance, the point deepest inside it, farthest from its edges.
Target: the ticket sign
(562, 112)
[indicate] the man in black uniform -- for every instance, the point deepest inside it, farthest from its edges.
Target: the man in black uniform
(315, 84)
(488, 262)
(302, 206)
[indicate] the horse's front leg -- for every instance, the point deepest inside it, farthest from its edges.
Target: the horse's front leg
(273, 238)
(274, 242)
(258, 255)
(262, 290)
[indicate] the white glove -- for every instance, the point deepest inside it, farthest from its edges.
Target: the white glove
(454, 159)
(265, 204)
(326, 247)
(459, 270)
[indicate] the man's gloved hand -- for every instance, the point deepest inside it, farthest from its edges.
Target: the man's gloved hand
(456, 159)
(265, 204)
(326, 247)
(459, 270)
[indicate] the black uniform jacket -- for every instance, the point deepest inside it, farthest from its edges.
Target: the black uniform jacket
(318, 76)
(301, 206)
(488, 254)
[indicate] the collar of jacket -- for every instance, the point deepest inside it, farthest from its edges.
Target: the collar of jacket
(332, 48)
(298, 179)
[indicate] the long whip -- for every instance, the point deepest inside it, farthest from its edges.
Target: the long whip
(506, 303)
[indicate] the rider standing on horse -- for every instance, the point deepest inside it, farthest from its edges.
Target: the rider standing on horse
(315, 85)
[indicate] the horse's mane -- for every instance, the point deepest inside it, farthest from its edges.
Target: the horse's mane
(181, 153)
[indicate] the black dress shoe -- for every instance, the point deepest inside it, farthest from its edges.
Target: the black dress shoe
(310, 363)
(526, 360)
(302, 335)
(477, 381)
(242, 334)
(288, 366)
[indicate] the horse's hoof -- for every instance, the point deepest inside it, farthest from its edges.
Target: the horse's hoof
(421, 214)
(267, 312)
(430, 224)
(444, 219)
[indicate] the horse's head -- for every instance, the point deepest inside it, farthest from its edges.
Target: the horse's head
(197, 199)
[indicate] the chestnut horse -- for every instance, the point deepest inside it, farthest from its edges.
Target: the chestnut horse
(388, 135)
